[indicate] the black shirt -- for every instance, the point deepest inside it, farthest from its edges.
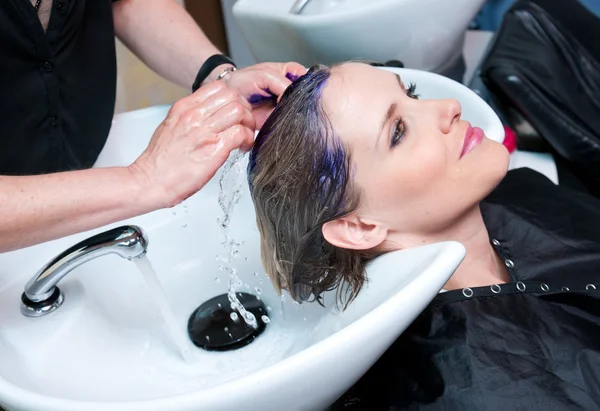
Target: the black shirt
(57, 89)
(530, 344)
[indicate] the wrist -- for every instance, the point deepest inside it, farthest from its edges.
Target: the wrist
(147, 191)
(213, 64)
(221, 70)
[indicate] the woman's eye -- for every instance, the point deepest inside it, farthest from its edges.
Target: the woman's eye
(410, 91)
(398, 133)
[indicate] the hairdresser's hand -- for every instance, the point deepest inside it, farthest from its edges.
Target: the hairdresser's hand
(192, 142)
(263, 84)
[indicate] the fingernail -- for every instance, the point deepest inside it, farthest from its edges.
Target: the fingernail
(291, 77)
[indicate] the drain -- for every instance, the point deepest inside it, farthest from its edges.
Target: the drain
(215, 326)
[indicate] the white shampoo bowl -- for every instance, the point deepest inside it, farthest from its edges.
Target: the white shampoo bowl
(423, 34)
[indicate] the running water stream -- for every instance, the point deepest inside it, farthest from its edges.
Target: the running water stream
(230, 185)
(178, 337)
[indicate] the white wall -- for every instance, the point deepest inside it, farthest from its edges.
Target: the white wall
(238, 50)
(138, 86)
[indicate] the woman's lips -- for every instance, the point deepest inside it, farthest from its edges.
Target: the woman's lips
(473, 137)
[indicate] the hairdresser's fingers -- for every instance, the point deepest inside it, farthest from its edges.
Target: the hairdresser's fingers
(230, 115)
(260, 80)
(236, 137)
(271, 80)
(291, 70)
(294, 70)
(222, 98)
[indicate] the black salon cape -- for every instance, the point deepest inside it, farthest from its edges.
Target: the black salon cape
(532, 344)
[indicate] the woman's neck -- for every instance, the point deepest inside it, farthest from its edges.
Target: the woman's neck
(482, 264)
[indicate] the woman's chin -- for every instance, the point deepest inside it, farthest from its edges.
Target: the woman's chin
(496, 155)
(490, 160)
(497, 163)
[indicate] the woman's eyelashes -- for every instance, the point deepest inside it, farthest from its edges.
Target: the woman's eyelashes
(398, 133)
(399, 129)
(410, 91)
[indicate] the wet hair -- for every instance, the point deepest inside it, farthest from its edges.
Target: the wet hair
(299, 174)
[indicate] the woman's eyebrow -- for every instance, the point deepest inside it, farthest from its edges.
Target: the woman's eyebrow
(400, 82)
(389, 114)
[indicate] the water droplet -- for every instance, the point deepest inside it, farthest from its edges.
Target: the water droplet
(246, 259)
(234, 317)
(217, 280)
(258, 290)
(230, 336)
(269, 309)
(183, 225)
(219, 304)
(260, 281)
(265, 319)
(304, 318)
(226, 329)
(256, 274)
(174, 213)
(207, 338)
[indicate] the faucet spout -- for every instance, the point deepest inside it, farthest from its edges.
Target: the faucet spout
(42, 295)
(298, 6)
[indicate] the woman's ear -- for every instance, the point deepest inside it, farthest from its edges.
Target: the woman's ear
(353, 233)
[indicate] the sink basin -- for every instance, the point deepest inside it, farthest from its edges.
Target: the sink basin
(106, 347)
(423, 34)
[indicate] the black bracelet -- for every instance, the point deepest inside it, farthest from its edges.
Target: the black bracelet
(209, 65)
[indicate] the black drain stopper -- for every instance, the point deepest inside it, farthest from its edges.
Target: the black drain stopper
(216, 326)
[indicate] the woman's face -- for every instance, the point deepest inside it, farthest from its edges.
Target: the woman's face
(417, 164)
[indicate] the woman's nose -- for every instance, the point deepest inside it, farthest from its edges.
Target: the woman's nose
(449, 114)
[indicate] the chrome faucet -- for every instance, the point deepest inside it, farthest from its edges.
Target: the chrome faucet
(298, 6)
(42, 296)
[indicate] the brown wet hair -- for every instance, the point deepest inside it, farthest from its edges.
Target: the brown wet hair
(300, 178)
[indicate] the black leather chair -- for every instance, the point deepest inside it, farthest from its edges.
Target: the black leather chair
(543, 72)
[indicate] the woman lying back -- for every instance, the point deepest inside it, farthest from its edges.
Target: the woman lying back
(351, 164)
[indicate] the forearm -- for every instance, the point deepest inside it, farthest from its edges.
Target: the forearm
(35, 209)
(164, 36)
